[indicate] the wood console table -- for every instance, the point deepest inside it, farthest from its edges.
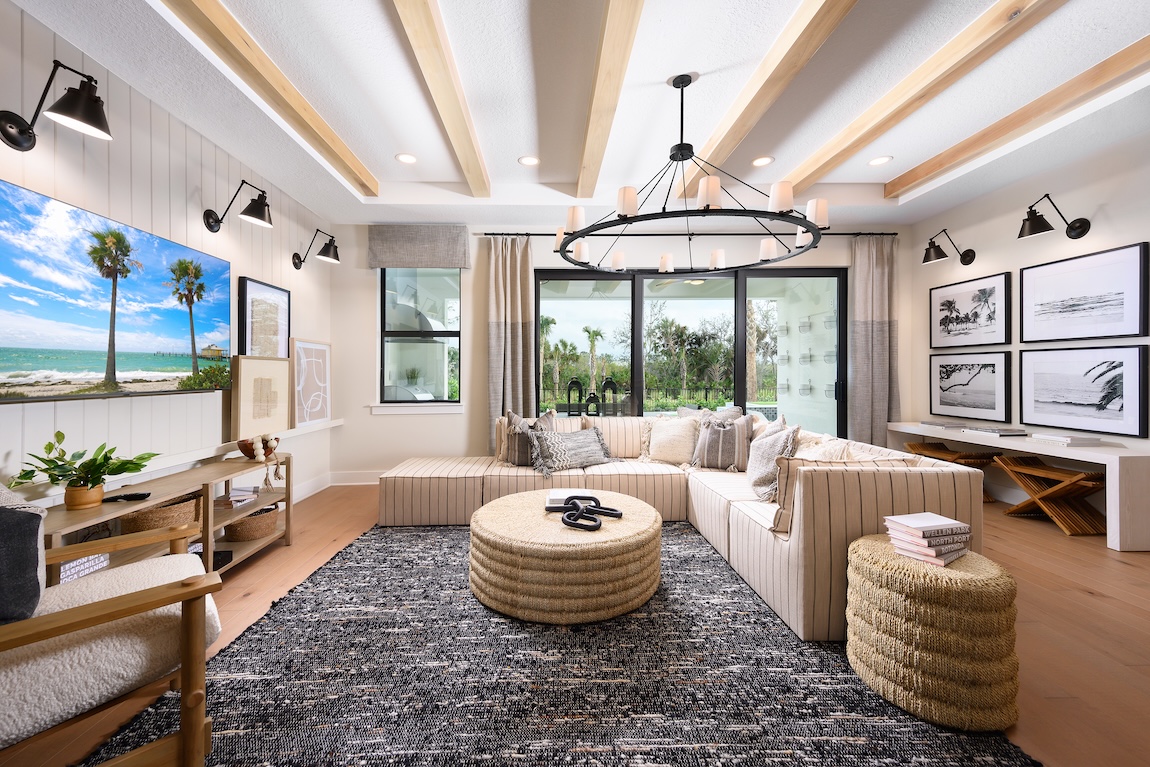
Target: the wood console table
(1127, 472)
(58, 522)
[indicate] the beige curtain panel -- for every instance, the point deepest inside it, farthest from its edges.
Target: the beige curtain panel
(415, 246)
(510, 331)
(873, 397)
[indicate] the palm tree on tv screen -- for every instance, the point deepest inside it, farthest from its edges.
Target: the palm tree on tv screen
(188, 287)
(112, 256)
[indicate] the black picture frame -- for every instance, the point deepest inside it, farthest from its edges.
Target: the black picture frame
(1094, 296)
(264, 319)
(954, 391)
(973, 312)
(1074, 388)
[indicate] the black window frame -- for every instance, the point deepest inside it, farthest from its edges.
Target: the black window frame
(385, 335)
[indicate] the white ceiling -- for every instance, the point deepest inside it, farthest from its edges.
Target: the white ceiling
(527, 71)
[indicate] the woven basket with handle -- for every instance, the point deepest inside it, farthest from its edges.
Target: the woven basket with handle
(184, 510)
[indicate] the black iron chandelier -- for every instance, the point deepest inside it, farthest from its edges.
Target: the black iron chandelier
(572, 244)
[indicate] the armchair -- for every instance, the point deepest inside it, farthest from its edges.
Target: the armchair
(101, 636)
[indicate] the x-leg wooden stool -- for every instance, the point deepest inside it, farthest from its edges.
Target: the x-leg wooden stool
(1057, 493)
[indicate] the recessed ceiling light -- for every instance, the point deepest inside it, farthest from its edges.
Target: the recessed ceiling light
(528, 160)
(881, 160)
(759, 162)
(404, 157)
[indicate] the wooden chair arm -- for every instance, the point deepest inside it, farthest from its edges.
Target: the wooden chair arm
(85, 616)
(55, 556)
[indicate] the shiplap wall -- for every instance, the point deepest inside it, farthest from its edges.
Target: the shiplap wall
(157, 175)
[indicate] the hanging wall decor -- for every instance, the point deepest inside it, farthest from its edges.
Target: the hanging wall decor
(971, 313)
(971, 385)
(311, 381)
(265, 319)
(1099, 389)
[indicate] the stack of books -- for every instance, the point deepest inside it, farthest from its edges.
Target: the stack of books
(997, 431)
(1069, 440)
(944, 424)
(237, 497)
(928, 537)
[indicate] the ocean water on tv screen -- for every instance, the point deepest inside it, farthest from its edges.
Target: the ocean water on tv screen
(25, 366)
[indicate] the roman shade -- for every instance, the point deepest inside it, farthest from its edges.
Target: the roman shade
(418, 246)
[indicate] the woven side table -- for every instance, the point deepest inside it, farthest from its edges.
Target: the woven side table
(935, 641)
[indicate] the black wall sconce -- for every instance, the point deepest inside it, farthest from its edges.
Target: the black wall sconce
(1036, 223)
(936, 253)
(256, 212)
(329, 252)
(79, 108)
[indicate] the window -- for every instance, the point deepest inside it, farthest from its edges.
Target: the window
(420, 318)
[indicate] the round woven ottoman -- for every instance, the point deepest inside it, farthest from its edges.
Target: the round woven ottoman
(935, 641)
(527, 564)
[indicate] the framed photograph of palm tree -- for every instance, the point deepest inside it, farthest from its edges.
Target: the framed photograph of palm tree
(90, 307)
(265, 319)
(1099, 295)
(971, 385)
(971, 313)
(1090, 389)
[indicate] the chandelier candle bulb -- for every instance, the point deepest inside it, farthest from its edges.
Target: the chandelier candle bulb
(666, 263)
(576, 218)
(718, 259)
(802, 238)
(559, 238)
(817, 212)
(782, 197)
(581, 252)
(617, 260)
(628, 204)
(710, 192)
(768, 248)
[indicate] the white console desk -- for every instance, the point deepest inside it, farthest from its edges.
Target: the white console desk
(1127, 474)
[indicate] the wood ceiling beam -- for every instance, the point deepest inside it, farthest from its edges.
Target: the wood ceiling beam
(804, 34)
(423, 24)
(616, 39)
(1129, 63)
(219, 30)
(1004, 22)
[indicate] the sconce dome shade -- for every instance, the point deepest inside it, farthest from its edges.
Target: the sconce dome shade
(258, 211)
(1035, 223)
(329, 252)
(82, 110)
(933, 253)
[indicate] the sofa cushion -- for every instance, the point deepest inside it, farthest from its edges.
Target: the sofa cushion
(662, 485)
(711, 494)
(444, 490)
(723, 444)
(500, 479)
(761, 466)
(21, 557)
(623, 434)
(557, 452)
(788, 476)
(673, 440)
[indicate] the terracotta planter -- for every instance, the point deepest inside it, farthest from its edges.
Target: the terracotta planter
(83, 497)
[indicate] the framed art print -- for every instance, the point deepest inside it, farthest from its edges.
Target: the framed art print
(971, 313)
(971, 385)
(1099, 295)
(1092, 389)
(311, 381)
(261, 396)
(265, 319)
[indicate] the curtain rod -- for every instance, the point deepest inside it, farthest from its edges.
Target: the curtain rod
(680, 234)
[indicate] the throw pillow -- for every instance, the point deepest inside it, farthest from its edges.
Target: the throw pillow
(673, 440)
(555, 451)
(723, 444)
(761, 466)
(765, 428)
(828, 449)
(788, 476)
(518, 443)
(21, 557)
(724, 413)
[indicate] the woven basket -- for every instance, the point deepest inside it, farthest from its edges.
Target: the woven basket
(258, 525)
(184, 510)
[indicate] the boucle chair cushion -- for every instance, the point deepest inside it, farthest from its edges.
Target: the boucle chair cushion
(559, 452)
(723, 444)
(516, 445)
(21, 557)
(54, 680)
(673, 440)
(788, 476)
(761, 466)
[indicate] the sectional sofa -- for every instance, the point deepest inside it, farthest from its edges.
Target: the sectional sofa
(792, 552)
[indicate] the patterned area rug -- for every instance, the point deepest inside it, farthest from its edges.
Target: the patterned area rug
(384, 657)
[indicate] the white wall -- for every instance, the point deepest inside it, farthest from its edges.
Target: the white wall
(157, 175)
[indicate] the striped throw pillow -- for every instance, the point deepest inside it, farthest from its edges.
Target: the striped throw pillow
(723, 444)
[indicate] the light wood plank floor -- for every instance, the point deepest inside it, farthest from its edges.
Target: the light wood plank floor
(1083, 634)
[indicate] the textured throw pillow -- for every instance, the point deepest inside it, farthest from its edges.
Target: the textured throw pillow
(673, 440)
(761, 466)
(828, 449)
(21, 557)
(788, 476)
(555, 451)
(765, 428)
(723, 444)
(518, 443)
(724, 413)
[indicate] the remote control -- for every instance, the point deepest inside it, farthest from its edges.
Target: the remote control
(127, 497)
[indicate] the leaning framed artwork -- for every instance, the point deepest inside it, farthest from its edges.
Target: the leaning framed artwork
(971, 385)
(971, 313)
(261, 396)
(311, 381)
(1100, 389)
(1099, 295)
(265, 319)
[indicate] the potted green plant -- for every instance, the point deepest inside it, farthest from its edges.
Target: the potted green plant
(82, 476)
(412, 376)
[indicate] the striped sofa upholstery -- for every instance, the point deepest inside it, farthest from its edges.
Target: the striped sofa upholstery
(432, 491)
(711, 494)
(659, 484)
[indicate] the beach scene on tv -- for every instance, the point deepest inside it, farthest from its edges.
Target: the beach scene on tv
(89, 306)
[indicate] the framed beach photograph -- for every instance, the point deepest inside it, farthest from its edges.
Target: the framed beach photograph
(311, 381)
(971, 313)
(971, 385)
(261, 396)
(1099, 295)
(265, 319)
(91, 307)
(1094, 389)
